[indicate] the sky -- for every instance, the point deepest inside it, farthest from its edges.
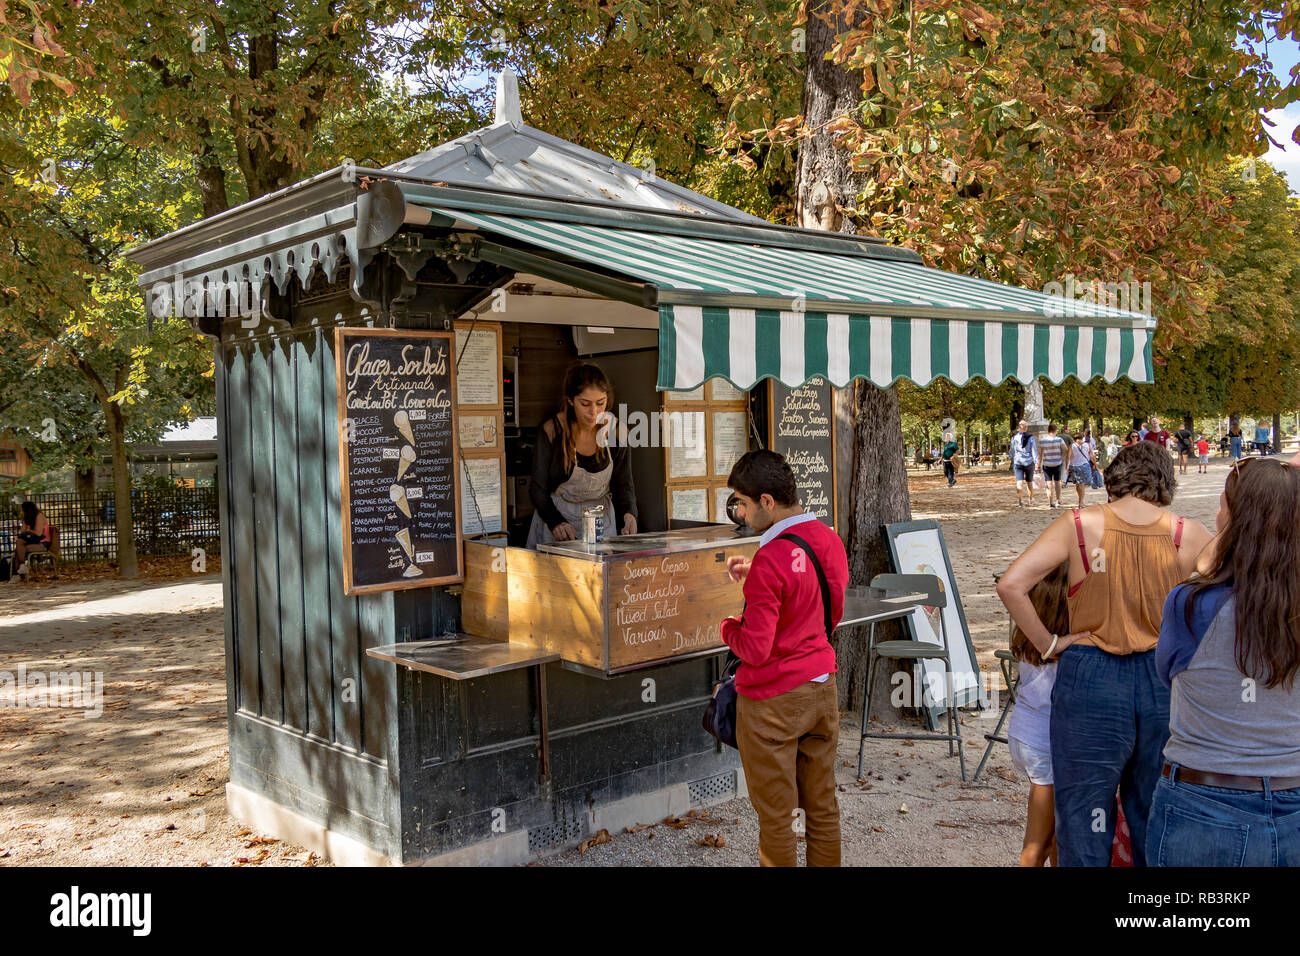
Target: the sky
(1284, 55)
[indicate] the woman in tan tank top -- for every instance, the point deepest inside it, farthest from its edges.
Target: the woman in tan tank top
(1110, 711)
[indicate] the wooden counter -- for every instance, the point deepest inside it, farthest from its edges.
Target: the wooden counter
(632, 602)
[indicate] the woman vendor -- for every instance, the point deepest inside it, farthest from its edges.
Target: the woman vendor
(575, 468)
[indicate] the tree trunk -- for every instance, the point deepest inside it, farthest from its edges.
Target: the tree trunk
(210, 174)
(879, 497)
(845, 403)
(1277, 433)
(127, 565)
(825, 184)
(84, 483)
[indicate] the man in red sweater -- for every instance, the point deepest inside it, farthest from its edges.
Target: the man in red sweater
(787, 708)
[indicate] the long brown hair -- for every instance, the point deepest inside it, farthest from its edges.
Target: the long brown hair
(578, 379)
(1048, 598)
(1258, 555)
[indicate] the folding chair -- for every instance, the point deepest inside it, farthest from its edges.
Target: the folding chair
(49, 556)
(930, 586)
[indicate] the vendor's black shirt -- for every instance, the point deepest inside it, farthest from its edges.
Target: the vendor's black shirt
(549, 473)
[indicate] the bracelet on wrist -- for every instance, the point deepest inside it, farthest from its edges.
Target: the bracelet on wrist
(1051, 647)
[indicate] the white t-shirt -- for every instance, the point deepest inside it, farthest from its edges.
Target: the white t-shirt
(1031, 718)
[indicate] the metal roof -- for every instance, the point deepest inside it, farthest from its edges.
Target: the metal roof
(512, 156)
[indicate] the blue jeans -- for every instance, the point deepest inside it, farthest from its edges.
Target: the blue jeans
(1192, 825)
(1236, 447)
(1110, 723)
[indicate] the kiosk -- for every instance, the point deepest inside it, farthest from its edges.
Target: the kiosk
(408, 683)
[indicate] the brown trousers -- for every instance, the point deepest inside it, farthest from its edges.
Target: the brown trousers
(788, 749)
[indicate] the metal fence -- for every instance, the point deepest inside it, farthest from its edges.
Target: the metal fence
(166, 522)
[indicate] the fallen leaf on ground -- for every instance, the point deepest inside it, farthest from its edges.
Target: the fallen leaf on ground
(252, 860)
(601, 837)
(712, 840)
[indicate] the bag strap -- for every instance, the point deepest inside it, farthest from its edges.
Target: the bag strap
(1083, 548)
(821, 576)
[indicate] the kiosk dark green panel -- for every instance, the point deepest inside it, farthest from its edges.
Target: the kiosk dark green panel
(369, 760)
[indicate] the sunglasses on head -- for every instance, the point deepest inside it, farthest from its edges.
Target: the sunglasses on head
(1241, 463)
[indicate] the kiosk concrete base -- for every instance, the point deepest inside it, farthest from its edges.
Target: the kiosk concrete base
(510, 849)
(267, 816)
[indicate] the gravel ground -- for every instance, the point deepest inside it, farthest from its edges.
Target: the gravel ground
(144, 782)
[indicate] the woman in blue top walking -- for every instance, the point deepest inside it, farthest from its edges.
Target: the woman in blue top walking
(1229, 650)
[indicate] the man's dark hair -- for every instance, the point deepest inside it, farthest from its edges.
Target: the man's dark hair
(1051, 429)
(764, 472)
(1143, 470)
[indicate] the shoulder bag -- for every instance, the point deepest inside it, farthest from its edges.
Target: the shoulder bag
(720, 713)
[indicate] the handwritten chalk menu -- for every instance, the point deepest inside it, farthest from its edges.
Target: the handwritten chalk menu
(803, 430)
(667, 605)
(397, 439)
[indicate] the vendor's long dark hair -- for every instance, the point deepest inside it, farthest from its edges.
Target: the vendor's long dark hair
(30, 511)
(578, 379)
(1258, 554)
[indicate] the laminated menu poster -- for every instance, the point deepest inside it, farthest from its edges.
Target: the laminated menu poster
(803, 430)
(397, 444)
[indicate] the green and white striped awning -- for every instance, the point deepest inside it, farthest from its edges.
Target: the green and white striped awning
(746, 311)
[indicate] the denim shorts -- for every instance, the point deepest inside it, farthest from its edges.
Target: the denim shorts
(1025, 472)
(1034, 764)
(1194, 825)
(1054, 472)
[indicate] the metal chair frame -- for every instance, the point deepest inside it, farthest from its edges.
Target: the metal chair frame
(929, 585)
(1005, 659)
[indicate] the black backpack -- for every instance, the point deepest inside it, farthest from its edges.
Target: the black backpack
(720, 714)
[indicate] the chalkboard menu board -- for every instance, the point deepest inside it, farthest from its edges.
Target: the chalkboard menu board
(397, 449)
(802, 425)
